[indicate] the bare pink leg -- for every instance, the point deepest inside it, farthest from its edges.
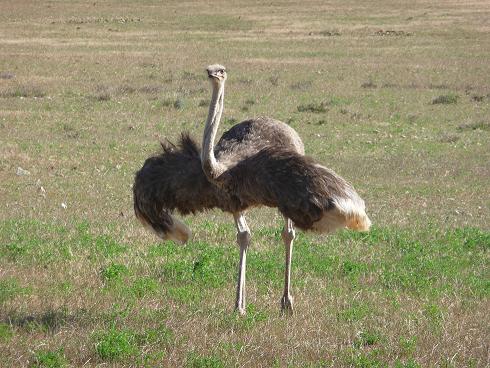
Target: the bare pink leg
(243, 240)
(288, 235)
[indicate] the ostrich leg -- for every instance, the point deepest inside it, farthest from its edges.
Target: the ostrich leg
(243, 239)
(288, 235)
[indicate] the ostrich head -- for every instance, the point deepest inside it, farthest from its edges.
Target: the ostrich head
(216, 73)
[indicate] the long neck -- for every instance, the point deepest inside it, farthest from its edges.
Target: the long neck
(212, 169)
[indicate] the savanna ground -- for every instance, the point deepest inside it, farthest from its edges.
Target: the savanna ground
(394, 97)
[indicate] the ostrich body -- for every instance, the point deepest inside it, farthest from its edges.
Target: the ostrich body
(256, 162)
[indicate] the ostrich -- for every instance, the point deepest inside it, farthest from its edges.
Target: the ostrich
(256, 162)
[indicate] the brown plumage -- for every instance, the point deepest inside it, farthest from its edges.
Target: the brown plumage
(173, 180)
(256, 162)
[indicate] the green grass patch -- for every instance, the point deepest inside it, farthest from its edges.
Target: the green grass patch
(144, 286)
(434, 315)
(10, 288)
(410, 363)
(108, 247)
(203, 361)
(115, 344)
(187, 294)
(49, 359)
(161, 335)
(355, 312)
(114, 272)
(367, 338)
(6, 332)
(408, 345)
(364, 359)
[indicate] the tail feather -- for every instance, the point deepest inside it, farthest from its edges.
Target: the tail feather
(359, 222)
(353, 210)
(165, 183)
(163, 224)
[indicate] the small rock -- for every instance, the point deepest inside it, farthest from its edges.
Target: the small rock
(22, 172)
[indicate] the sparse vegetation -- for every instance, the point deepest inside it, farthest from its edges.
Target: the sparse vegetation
(5, 332)
(115, 344)
(329, 33)
(49, 359)
(390, 32)
(445, 99)
(369, 84)
(313, 107)
(85, 98)
(302, 85)
(482, 125)
(21, 90)
(114, 272)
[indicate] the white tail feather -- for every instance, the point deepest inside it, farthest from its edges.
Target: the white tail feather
(349, 212)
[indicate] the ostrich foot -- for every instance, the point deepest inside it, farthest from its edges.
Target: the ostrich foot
(287, 305)
(240, 311)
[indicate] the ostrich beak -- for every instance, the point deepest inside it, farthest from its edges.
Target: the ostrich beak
(211, 75)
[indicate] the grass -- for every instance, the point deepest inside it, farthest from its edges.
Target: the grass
(445, 99)
(395, 100)
(115, 344)
(49, 359)
(422, 277)
(313, 107)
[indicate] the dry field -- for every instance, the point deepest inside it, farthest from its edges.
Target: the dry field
(395, 97)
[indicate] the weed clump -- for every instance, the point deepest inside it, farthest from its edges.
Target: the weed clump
(5, 332)
(179, 104)
(114, 272)
(274, 80)
(477, 98)
(369, 84)
(102, 93)
(115, 344)
(482, 125)
(201, 361)
(302, 85)
(22, 90)
(151, 89)
(9, 288)
(49, 359)
(445, 99)
(144, 286)
(330, 33)
(313, 107)
(390, 32)
(367, 338)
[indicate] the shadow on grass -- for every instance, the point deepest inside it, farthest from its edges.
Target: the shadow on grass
(49, 321)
